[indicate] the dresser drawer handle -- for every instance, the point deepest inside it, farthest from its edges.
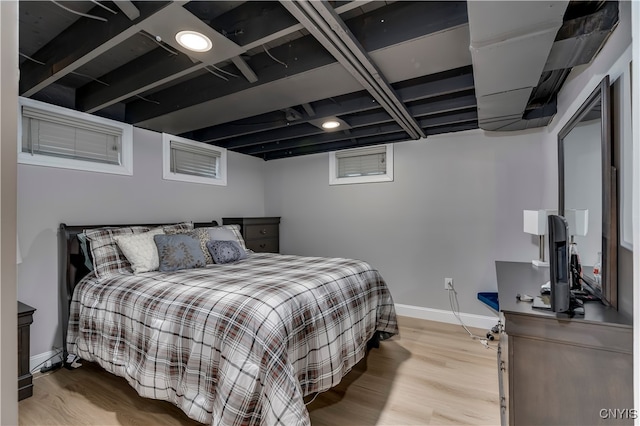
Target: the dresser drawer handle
(263, 245)
(263, 231)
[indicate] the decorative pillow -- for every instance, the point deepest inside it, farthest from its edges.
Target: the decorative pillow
(221, 233)
(140, 250)
(227, 233)
(88, 262)
(226, 251)
(108, 259)
(178, 228)
(179, 251)
(202, 235)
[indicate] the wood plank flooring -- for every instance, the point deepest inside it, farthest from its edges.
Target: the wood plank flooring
(433, 373)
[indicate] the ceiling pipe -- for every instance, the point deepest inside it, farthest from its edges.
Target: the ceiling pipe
(309, 17)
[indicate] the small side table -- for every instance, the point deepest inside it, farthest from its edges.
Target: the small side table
(25, 318)
(261, 234)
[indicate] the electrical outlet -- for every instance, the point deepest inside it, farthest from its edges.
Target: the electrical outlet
(448, 283)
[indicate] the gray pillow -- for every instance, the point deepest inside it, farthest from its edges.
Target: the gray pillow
(88, 263)
(226, 251)
(179, 251)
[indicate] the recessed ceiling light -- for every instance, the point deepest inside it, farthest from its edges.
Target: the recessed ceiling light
(193, 40)
(331, 124)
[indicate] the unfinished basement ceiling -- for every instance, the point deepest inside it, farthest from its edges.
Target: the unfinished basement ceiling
(388, 71)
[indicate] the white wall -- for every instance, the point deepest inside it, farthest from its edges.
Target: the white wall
(454, 207)
(8, 152)
(49, 196)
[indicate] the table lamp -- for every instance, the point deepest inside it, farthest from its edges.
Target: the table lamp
(535, 222)
(578, 221)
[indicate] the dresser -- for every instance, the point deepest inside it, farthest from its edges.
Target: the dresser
(261, 234)
(25, 318)
(561, 370)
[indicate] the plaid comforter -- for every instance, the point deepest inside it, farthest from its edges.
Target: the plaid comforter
(234, 344)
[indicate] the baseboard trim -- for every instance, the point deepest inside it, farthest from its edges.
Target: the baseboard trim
(470, 320)
(36, 360)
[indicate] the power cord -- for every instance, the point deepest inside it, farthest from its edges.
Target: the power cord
(455, 309)
(53, 366)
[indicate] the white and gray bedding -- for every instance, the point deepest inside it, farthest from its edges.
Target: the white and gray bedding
(234, 344)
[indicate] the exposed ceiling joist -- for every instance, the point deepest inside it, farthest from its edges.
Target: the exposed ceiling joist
(128, 8)
(323, 26)
(388, 71)
(64, 54)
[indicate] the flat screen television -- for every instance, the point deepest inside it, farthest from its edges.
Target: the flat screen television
(559, 275)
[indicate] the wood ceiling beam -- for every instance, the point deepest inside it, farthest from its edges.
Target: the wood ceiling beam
(444, 106)
(83, 41)
(340, 105)
(245, 69)
(437, 87)
(264, 38)
(449, 119)
(136, 77)
(334, 146)
(460, 110)
(373, 140)
(204, 88)
(128, 8)
(351, 134)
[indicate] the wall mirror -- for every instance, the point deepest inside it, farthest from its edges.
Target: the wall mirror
(585, 182)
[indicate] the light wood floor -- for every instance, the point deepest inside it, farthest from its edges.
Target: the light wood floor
(433, 373)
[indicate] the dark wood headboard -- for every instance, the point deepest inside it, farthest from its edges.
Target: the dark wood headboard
(72, 268)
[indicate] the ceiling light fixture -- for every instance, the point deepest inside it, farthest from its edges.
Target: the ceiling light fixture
(194, 41)
(331, 124)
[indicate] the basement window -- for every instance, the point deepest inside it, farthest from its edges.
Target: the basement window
(361, 165)
(190, 161)
(53, 136)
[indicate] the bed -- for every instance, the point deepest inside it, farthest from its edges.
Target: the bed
(238, 343)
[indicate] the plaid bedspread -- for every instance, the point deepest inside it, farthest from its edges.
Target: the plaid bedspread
(235, 344)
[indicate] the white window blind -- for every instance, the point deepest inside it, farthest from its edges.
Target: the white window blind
(194, 160)
(185, 160)
(58, 135)
(361, 165)
(369, 161)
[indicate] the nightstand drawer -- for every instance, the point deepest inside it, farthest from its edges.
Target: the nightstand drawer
(261, 234)
(253, 232)
(265, 245)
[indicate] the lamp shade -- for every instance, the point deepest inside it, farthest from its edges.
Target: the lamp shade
(535, 221)
(578, 221)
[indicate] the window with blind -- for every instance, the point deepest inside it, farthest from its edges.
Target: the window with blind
(361, 165)
(190, 161)
(59, 137)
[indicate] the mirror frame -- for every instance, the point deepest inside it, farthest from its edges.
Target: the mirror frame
(609, 259)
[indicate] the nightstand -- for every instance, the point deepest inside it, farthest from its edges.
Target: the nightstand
(261, 234)
(25, 318)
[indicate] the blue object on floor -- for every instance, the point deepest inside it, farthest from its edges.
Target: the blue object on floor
(490, 299)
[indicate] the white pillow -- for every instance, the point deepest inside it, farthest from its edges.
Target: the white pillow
(140, 250)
